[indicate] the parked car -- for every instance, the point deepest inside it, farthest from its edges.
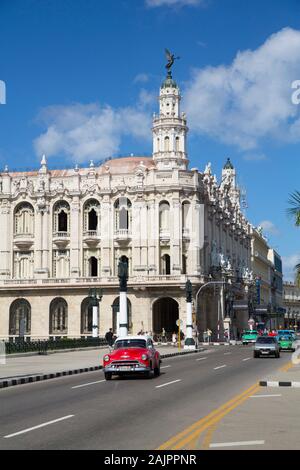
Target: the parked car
(132, 355)
(266, 346)
(286, 343)
(249, 336)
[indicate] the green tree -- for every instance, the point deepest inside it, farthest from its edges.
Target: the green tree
(294, 212)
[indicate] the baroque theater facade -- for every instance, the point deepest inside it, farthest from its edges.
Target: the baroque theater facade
(65, 231)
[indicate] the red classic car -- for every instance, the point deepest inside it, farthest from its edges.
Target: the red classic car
(132, 354)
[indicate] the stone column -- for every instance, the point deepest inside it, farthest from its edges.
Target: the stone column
(75, 237)
(95, 321)
(6, 240)
(153, 239)
(175, 237)
(45, 245)
(38, 235)
(106, 236)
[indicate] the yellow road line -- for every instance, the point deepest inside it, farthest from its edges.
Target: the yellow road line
(202, 421)
(286, 367)
(213, 421)
(208, 436)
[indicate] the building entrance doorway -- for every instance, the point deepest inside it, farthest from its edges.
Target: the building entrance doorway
(164, 315)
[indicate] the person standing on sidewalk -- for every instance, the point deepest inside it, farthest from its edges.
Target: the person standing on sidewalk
(109, 336)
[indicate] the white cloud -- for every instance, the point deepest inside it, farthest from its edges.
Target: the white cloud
(250, 99)
(141, 78)
(254, 157)
(91, 131)
(289, 263)
(269, 227)
(173, 3)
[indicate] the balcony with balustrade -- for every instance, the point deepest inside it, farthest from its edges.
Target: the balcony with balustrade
(61, 239)
(23, 241)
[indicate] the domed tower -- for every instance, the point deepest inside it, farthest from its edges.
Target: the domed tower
(169, 128)
(229, 173)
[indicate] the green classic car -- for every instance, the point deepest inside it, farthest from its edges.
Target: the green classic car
(286, 342)
(249, 336)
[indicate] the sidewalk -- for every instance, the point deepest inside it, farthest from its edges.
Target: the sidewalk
(48, 366)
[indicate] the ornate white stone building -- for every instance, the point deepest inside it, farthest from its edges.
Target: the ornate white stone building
(64, 231)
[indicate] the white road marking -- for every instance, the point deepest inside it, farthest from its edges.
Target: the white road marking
(247, 359)
(90, 383)
(265, 396)
(201, 359)
(164, 367)
(234, 444)
(227, 354)
(38, 426)
(168, 383)
(220, 367)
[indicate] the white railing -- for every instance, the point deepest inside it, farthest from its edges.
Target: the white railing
(145, 279)
(61, 234)
(23, 235)
(91, 233)
(123, 232)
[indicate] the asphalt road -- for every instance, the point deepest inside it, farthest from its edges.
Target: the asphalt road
(127, 413)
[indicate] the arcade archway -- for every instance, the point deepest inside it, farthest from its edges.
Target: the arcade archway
(165, 312)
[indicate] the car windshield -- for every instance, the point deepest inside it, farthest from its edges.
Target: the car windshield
(265, 339)
(130, 343)
(285, 338)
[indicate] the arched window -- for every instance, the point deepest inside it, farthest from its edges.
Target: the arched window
(115, 309)
(20, 318)
(164, 216)
(184, 264)
(24, 219)
(23, 264)
(122, 214)
(61, 212)
(86, 327)
(61, 263)
(158, 144)
(93, 266)
(58, 321)
(166, 265)
(167, 144)
(91, 215)
(177, 144)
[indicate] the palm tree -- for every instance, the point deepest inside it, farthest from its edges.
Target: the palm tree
(294, 212)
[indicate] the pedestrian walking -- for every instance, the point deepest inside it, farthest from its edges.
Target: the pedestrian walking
(109, 336)
(174, 339)
(163, 335)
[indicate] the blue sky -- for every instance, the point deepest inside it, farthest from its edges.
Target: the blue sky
(82, 78)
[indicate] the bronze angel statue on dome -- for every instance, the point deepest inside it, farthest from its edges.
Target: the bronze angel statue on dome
(171, 59)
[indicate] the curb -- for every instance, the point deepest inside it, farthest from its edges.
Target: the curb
(264, 383)
(54, 375)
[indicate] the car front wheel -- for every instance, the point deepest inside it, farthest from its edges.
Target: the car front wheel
(255, 354)
(107, 375)
(157, 371)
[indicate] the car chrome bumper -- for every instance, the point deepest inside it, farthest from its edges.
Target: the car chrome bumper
(123, 370)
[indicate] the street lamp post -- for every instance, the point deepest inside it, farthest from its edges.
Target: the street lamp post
(123, 277)
(95, 296)
(189, 341)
